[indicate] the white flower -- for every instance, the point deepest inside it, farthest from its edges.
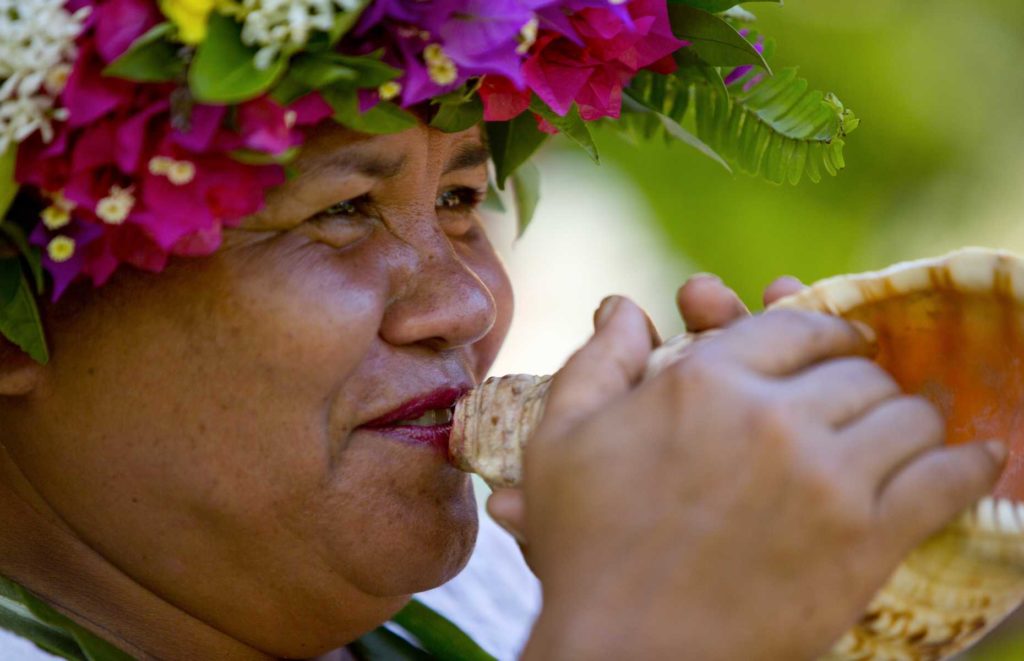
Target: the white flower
(278, 26)
(37, 43)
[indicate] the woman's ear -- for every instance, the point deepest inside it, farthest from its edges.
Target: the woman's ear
(19, 374)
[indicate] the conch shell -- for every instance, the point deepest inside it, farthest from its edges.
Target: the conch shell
(949, 328)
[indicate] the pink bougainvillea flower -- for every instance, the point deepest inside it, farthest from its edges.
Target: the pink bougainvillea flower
(147, 183)
(561, 71)
(502, 100)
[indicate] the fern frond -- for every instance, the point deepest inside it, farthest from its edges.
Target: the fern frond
(667, 95)
(779, 129)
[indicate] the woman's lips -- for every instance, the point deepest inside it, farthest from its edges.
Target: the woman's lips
(396, 423)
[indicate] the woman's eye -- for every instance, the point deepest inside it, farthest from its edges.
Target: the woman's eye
(343, 208)
(459, 199)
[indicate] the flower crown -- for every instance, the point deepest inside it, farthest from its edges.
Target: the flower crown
(134, 130)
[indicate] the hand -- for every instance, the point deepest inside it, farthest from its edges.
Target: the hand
(704, 303)
(744, 504)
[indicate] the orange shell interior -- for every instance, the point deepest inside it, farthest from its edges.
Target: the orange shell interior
(963, 352)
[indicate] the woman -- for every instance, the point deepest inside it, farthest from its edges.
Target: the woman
(243, 456)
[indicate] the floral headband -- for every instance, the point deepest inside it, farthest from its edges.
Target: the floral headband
(134, 130)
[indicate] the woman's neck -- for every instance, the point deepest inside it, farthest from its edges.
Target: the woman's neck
(45, 556)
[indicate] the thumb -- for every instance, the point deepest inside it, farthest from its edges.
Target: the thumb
(508, 509)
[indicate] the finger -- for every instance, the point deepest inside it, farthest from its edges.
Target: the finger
(784, 341)
(782, 287)
(705, 303)
(884, 440)
(651, 328)
(932, 490)
(843, 389)
(508, 509)
(609, 365)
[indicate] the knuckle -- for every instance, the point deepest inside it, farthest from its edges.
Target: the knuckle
(776, 420)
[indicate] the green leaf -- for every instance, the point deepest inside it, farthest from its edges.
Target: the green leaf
(438, 635)
(633, 101)
(253, 157)
(19, 316)
(94, 647)
(526, 194)
(289, 89)
(512, 143)
(29, 253)
(712, 38)
(493, 200)
(780, 129)
(8, 187)
(571, 126)
(345, 21)
(315, 71)
(385, 117)
(371, 71)
(715, 6)
(223, 70)
(381, 644)
(150, 59)
(455, 116)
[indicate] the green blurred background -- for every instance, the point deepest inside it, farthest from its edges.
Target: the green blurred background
(937, 163)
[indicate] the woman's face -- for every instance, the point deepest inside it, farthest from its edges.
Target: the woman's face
(205, 429)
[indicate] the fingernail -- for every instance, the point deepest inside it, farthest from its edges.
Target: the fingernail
(704, 274)
(866, 331)
(606, 311)
(997, 449)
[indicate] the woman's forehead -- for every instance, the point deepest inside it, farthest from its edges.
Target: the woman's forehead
(336, 148)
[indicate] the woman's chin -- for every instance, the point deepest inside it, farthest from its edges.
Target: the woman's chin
(429, 551)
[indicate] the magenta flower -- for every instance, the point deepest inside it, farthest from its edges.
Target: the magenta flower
(142, 185)
(561, 71)
(739, 72)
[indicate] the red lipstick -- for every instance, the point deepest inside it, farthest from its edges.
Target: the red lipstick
(399, 422)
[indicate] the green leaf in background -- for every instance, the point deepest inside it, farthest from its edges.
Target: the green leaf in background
(458, 115)
(512, 143)
(385, 117)
(224, 70)
(8, 187)
(150, 59)
(712, 38)
(29, 253)
(493, 201)
(19, 316)
(715, 6)
(571, 126)
(438, 635)
(780, 129)
(526, 193)
(675, 130)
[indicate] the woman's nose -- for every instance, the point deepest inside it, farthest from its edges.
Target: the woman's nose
(442, 303)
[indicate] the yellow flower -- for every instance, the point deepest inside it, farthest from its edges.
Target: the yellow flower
(389, 90)
(114, 208)
(55, 217)
(190, 16)
(440, 67)
(61, 248)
